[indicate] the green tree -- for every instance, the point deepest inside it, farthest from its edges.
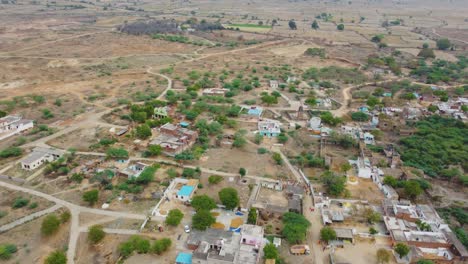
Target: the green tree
(153, 150)
(252, 217)
(126, 249)
(340, 27)
(335, 185)
(215, 179)
(239, 139)
(315, 25)
(371, 215)
(242, 172)
(359, 116)
(65, 216)
(146, 176)
(174, 217)
(277, 158)
(202, 219)
(292, 25)
(96, 234)
(412, 189)
(50, 225)
(203, 202)
(295, 227)
(91, 196)
(56, 257)
(229, 198)
(443, 44)
(401, 249)
(372, 101)
(270, 251)
(383, 256)
(143, 131)
(117, 153)
(327, 234)
(161, 245)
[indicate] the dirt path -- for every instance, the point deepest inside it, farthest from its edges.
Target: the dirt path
(29, 218)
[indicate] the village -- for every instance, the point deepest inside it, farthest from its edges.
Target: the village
(220, 153)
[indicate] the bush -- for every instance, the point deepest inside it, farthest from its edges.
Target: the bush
(146, 176)
(335, 185)
(91, 197)
(96, 234)
(33, 205)
(359, 116)
(161, 245)
(443, 44)
(65, 217)
(56, 257)
(252, 217)
(174, 217)
(6, 250)
(242, 172)
(11, 152)
(215, 179)
(262, 151)
(20, 202)
(277, 158)
(117, 153)
(50, 225)
(270, 251)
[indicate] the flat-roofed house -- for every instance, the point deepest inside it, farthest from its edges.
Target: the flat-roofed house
(40, 156)
(12, 125)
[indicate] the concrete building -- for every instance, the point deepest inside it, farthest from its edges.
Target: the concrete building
(432, 240)
(274, 84)
(269, 128)
(215, 246)
(315, 125)
(160, 112)
(174, 139)
(12, 125)
(40, 156)
(215, 91)
(133, 171)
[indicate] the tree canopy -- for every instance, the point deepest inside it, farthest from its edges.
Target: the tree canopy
(50, 225)
(438, 143)
(56, 257)
(295, 227)
(402, 249)
(327, 234)
(202, 219)
(443, 44)
(174, 217)
(229, 198)
(96, 234)
(203, 202)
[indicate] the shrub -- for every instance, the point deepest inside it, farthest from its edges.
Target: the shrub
(91, 196)
(6, 250)
(215, 179)
(161, 245)
(20, 202)
(203, 202)
(50, 225)
(11, 152)
(202, 219)
(96, 234)
(56, 257)
(174, 217)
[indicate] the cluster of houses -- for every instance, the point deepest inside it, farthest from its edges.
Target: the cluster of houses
(13, 124)
(420, 227)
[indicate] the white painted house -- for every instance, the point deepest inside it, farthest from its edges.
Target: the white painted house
(40, 156)
(12, 125)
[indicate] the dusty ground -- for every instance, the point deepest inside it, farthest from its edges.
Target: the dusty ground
(32, 246)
